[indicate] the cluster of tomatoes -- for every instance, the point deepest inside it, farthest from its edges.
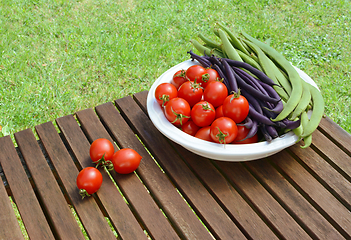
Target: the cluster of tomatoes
(102, 152)
(197, 101)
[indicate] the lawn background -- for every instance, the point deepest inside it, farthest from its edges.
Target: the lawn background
(59, 57)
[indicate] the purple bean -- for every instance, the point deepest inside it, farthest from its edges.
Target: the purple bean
(249, 79)
(230, 76)
(259, 117)
(248, 122)
(203, 61)
(261, 75)
(291, 124)
(252, 100)
(214, 60)
(265, 133)
(271, 131)
(222, 75)
(252, 132)
(258, 94)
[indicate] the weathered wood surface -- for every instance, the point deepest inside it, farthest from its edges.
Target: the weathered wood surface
(174, 194)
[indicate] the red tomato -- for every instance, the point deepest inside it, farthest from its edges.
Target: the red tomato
(195, 72)
(190, 128)
(219, 111)
(204, 134)
(101, 147)
(177, 111)
(236, 107)
(89, 180)
(223, 130)
(215, 93)
(242, 133)
(210, 76)
(126, 160)
(179, 78)
(203, 114)
(191, 92)
(165, 92)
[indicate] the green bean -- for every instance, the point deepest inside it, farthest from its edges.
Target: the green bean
(247, 58)
(228, 48)
(208, 42)
(304, 123)
(284, 82)
(233, 39)
(268, 69)
(263, 61)
(298, 131)
(294, 77)
(202, 49)
(304, 101)
(205, 50)
(317, 111)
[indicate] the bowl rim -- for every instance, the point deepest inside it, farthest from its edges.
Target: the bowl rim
(216, 151)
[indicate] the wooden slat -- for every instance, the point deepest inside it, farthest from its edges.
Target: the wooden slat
(308, 217)
(325, 173)
(9, 228)
(239, 210)
(174, 206)
(214, 217)
(134, 190)
(338, 134)
(88, 211)
(338, 158)
(50, 193)
(118, 211)
(31, 213)
(270, 209)
(336, 213)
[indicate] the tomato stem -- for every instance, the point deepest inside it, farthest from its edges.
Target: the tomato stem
(83, 193)
(106, 164)
(221, 136)
(179, 116)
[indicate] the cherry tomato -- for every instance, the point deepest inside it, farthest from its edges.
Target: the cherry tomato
(203, 114)
(215, 93)
(210, 76)
(223, 130)
(219, 111)
(191, 92)
(101, 147)
(204, 134)
(242, 133)
(165, 92)
(89, 181)
(126, 160)
(179, 78)
(190, 128)
(236, 107)
(195, 72)
(177, 111)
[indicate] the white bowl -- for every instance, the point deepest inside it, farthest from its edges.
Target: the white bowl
(216, 151)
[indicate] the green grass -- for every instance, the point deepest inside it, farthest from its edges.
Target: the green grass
(59, 57)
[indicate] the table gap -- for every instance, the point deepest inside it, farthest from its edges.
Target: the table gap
(134, 212)
(248, 201)
(281, 202)
(211, 193)
(309, 199)
(334, 141)
(61, 185)
(331, 162)
(19, 218)
(319, 179)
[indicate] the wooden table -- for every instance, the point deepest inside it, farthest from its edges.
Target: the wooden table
(174, 194)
